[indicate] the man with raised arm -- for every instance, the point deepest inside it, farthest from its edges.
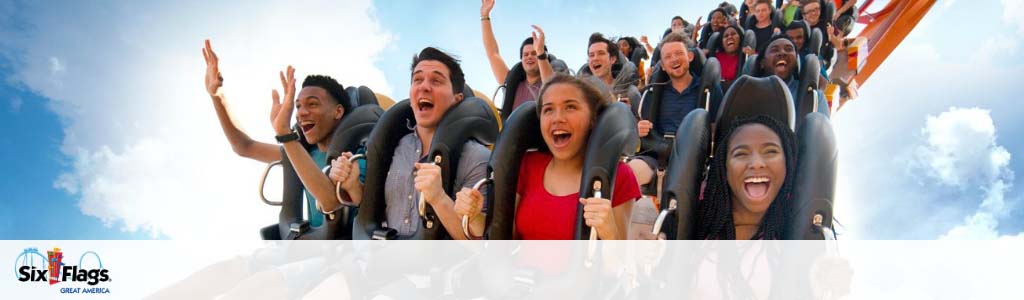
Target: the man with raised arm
(530, 55)
(321, 104)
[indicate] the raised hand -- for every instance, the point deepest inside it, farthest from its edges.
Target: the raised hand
(485, 8)
(834, 37)
(214, 80)
(538, 39)
(281, 112)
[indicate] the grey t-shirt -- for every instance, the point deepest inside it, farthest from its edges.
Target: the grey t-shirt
(400, 194)
(526, 92)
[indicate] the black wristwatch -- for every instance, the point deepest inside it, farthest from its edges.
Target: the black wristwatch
(292, 136)
(543, 56)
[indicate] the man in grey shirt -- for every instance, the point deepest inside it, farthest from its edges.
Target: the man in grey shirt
(437, 81)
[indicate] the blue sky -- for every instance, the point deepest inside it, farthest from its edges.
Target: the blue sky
(109, 134)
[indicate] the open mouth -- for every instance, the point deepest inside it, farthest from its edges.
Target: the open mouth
(677, 67)
(306, 126)
(560, 138)
(425, 105)
(780, 66)
(756, 187)
(729, 43)
(596, 67)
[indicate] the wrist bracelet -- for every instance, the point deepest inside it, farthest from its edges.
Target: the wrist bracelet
(485, 18)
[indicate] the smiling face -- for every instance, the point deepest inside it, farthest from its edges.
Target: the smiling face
(677, 25)
(718, 21)
(431, 93)
(755, 168)
(762, 12)
(797, 35)
(599, 60)
(780, 59)
(565, 119)
(624, 47)
(731, 40)
(812, 13)
(675, 59)
(316, 113)
(529, 60)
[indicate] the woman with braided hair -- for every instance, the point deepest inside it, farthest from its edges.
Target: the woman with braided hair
(750, 182)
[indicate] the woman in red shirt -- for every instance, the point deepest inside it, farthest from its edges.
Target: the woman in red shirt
(729, 54)
(549, 181)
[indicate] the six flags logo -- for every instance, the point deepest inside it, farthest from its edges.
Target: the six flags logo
(56, 270)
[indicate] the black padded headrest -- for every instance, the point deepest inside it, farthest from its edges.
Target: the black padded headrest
(557, 64)
(353, 130)
(814, 189)
(814, 43)
(353, 96)
(380, 150)
(828, 10)
(515, 76)
(366, 96)
(613, 137)
(749, 39)
(469, 119)
(697, 64)
(712, 45)
(711, 76)
(520, 133)
(684, 172)
(750, 66)
(360, 96)
(807, 93)
(750, 96)
(467, 91)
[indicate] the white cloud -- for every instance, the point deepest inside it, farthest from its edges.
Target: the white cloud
(16, 104)
(1011, 13)
(145, 151)
(961, 150)
(995, 50)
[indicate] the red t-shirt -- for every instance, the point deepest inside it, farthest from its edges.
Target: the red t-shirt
(729, 64)
(543, 216)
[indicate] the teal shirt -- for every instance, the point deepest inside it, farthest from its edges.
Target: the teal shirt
(316, 219)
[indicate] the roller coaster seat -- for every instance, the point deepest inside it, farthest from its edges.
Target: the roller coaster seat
(613, 137)
(658, 145)
(470, 119)
(349, 135)
(748, 96)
